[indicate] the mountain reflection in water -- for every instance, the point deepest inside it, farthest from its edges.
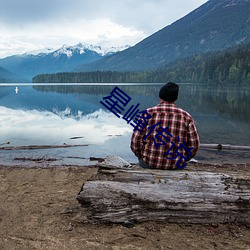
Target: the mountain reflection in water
(54, 114)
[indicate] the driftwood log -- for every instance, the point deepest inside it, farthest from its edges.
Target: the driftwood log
(30, 147)
(178, 196)
(224, 147)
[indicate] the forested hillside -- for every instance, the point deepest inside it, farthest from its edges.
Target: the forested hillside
(229, 66)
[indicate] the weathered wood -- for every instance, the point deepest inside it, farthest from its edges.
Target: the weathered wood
(224, 147)
(29, 147)
(39, 159)
(119, 195)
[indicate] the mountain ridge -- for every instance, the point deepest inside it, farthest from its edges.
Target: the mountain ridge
(9, 77)
(228, 67)
(65, 58)
(214, 26)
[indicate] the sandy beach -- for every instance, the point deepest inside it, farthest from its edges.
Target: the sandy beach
(38, 210)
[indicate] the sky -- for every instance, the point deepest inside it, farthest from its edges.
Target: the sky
(32, 25)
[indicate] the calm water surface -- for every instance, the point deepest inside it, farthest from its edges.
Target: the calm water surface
(72, 114)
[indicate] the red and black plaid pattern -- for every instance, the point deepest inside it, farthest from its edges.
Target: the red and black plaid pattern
(161, 146)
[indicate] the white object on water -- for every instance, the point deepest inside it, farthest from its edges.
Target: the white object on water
(16, 90)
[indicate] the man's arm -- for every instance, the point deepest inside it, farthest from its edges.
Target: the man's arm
(136, 143)
(193, 138)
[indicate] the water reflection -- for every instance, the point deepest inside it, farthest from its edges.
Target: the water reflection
(52, 114)
(29, 127)
(228, 101)
(224, 101)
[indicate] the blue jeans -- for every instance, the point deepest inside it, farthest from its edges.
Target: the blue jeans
(145, 165)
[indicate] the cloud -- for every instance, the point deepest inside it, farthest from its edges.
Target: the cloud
(30, 24)
(33, 127)
(38, 36)
(22, 12)
(142, 14)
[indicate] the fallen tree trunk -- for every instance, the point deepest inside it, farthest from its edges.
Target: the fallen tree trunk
(224, 147)
(120, 195)
(29, 147)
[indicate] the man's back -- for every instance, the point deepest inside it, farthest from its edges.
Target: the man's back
(168, 139)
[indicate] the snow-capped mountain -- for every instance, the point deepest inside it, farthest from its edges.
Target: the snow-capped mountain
(64, 59)
(81, 48)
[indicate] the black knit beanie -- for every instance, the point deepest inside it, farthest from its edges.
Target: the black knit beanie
(169, 92)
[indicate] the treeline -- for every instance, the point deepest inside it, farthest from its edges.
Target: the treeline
(91, 77)
(231, 66)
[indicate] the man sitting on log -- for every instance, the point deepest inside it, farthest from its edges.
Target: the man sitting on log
(165, 136)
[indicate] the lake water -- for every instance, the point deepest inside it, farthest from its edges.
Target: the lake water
(72, 114)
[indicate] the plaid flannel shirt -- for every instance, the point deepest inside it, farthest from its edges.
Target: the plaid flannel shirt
(180, 125)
